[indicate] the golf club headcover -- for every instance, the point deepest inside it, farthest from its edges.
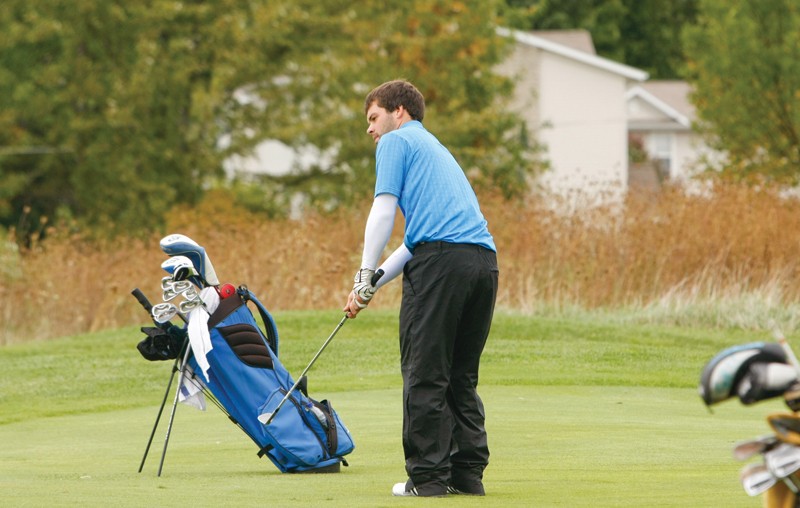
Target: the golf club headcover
(764, 381)
(160, 344)
(722, 374)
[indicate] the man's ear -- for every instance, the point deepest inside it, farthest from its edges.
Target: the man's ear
(399, 111)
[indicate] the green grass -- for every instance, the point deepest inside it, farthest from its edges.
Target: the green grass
(580, 412)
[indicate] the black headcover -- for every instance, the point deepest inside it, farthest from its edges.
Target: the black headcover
(722, 374)
(162, 344)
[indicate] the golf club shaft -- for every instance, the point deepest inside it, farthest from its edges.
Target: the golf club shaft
(778, 334)
(375, 278)
(305, 371)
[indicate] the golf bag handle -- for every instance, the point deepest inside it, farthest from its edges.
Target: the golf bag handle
(266, 317)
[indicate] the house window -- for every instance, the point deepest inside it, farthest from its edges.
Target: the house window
(660, 150)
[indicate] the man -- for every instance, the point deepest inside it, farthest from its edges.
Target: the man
(449, 265)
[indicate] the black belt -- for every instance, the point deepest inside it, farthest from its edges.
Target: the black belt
(443, 246)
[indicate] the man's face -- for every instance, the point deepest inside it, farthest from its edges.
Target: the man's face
(382, 121)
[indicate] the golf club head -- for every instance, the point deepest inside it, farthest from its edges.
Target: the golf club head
(756, 479)
(181, 268)
(176, 262)
(163, 312)
(176, 288)
(747, 449)
(182, 245)
(783, 460)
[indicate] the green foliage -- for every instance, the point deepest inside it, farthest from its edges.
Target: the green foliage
(641, 33)
(745, 67)
(651, 35)
(117, 111)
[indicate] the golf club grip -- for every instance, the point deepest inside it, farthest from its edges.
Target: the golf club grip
(137, 293)
(376, 277)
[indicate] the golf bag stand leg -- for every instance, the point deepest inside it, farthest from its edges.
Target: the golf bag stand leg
(182, 370)
(175, 368)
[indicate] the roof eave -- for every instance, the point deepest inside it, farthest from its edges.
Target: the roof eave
(580, 56)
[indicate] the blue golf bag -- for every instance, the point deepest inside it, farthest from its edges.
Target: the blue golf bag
(247, 380)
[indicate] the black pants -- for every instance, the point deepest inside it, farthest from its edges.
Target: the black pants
(449, 292)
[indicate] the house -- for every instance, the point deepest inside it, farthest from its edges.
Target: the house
(584, 109)
(588, 113)
(660, 119)
(575, 103)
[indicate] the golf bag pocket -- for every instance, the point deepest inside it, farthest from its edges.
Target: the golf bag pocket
(339, 439)
(290, 430)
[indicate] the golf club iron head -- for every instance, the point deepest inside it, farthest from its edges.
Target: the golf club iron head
(163, 312)
(176, 288)
(756, 479)
(747, 449)
(783, 460)
(182, 245)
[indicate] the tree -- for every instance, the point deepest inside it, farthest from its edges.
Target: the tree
(744, 62)
(651, 35)
(114, 111)
(642, 33)
(601, 18)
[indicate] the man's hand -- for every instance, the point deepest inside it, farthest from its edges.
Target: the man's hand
(354, 305)
(362, 285)
(362, 292)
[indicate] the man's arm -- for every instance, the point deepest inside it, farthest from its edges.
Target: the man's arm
(376, 235)
(378, 229)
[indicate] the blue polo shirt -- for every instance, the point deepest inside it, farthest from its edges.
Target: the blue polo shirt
(432, 191)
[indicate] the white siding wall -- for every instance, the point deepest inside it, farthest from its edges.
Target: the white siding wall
(583, 112)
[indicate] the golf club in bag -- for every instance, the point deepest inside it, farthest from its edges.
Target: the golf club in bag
(755, 372)
(231, 361)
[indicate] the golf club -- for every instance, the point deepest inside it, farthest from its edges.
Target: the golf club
(778, 334)
(182, 245)
(756, 479)
(176, 288)
(181, 268)
(747, 449)
(163, 312)
(266, 418)
(783, 460)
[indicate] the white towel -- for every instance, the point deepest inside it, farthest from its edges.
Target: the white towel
(191, 392)
(199, 337)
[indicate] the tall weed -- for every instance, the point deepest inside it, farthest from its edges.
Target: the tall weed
(727, 257)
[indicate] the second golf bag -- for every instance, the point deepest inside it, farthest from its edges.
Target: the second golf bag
(240, 369)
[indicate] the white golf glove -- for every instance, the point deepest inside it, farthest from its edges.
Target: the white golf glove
(362, 286)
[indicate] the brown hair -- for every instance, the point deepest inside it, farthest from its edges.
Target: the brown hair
(393, 94)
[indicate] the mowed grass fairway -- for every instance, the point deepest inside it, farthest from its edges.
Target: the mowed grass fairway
(588, 411)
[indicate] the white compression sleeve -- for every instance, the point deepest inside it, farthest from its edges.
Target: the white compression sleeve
(393, 266)
(378, 229)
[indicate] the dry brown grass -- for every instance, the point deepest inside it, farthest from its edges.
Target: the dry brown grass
(655, 249)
